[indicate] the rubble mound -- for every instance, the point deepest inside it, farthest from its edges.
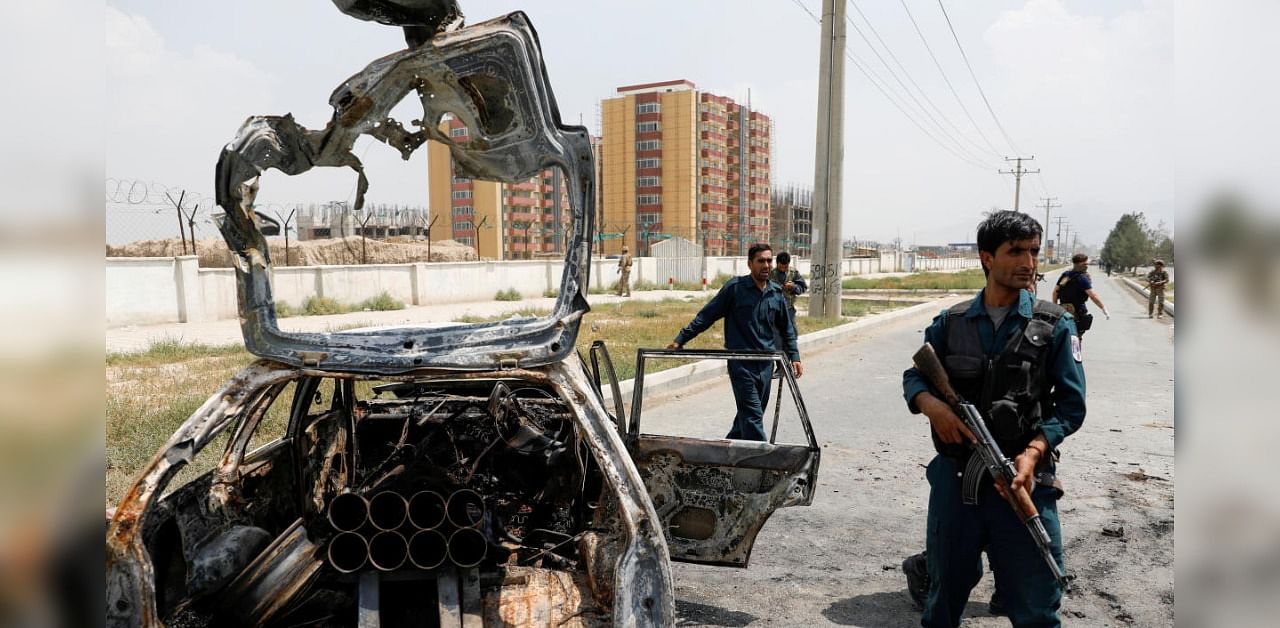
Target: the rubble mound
(213, 252)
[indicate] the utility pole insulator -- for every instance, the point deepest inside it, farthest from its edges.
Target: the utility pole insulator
(1017, 173)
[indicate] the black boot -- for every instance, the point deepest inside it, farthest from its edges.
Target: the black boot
(916, 569)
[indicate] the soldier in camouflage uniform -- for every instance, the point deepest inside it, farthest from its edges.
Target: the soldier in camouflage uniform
(1157, 279)
(789, 279)
(624, 270)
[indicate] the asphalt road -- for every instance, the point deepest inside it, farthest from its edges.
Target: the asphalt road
(837, 561)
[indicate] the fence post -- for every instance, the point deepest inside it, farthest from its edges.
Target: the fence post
(186, 278)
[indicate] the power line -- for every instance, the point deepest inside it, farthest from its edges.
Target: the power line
(907, 73)
(872, 79)
(936, 64)
(973, 75)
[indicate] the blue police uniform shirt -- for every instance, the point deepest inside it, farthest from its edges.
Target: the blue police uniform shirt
(1065, 374)
(750, 317)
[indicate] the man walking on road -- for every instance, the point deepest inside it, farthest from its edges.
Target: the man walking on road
(755, 319)
(1157, 279)
(1074, 289)
(1018, 359)
(624, 272)
(792, 282)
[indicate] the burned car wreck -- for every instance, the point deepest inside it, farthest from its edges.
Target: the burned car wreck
(464, 475)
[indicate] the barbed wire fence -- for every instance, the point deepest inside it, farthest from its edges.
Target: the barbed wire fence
(140, 211)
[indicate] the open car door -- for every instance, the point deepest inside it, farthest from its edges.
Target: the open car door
(714, 495)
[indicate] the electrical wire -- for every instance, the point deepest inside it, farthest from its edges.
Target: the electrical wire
(947, 80)
(955, 131)
(974, 75)
(857, 64)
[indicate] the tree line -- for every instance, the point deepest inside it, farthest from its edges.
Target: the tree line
(1133, 243)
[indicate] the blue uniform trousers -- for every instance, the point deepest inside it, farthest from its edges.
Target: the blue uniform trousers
(750, 381)
(958, 533)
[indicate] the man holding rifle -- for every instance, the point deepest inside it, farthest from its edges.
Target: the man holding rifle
(1016, 359)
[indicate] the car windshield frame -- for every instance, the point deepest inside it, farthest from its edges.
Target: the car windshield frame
(492, 78)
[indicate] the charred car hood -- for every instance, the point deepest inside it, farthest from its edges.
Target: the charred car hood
(491, 77)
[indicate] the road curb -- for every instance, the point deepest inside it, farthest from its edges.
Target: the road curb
(1146, 294)
(681, 377)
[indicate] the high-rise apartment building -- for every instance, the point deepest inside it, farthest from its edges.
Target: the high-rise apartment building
(791, 219)
(679, 162)
(501, 220)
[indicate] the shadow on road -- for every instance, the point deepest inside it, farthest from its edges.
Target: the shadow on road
(886, 608)
(695, 614)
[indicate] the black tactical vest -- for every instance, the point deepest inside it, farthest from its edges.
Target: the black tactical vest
(1070, 291)
(1009, 388)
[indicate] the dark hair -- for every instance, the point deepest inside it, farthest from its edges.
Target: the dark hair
(782, 258)
(1006, 226)
(1079, 257)
(756, 249)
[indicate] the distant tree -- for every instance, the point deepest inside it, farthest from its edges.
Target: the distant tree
(1164, 250)
(1129, 243)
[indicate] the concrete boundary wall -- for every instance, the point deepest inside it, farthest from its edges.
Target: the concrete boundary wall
(150, 290)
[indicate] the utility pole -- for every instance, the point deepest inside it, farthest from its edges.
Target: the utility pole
(1048, 203)
(1057, 244)
(828, 165)
(1017, 173)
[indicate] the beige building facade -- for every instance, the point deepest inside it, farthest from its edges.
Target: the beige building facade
(503, 221)
(679, 162)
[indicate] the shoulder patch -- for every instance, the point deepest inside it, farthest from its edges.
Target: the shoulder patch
(1076, 349)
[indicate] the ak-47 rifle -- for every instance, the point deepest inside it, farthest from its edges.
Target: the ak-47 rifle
(1000, 467)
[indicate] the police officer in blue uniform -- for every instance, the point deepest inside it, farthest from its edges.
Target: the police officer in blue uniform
(756, 318)
(1018, 359)
(1074, 290)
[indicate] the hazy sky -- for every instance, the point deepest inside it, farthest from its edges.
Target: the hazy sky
(1084, 86)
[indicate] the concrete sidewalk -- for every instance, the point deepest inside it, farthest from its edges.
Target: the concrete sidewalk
(134, 338)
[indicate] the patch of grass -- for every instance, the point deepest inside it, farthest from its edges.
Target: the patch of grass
(149, 394)
(382, 303)
(971, 279)
(719, 280)
(284, 310)
(321, 306)
(510, 294)
(552, 293)
(171, 350)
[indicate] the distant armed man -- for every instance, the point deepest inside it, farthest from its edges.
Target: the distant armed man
(624, 274)
(1157, 279)
(1074, 289)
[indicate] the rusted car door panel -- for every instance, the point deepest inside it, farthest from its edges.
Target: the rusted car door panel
(714, 495)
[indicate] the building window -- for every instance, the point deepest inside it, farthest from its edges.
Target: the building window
(648, 107)
(458, 132)
(649, 218)
(649, 145)
(647, 182)
(649, 199)
(648, 127)
(464, 210)
(648, 163)
(461, 194)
